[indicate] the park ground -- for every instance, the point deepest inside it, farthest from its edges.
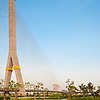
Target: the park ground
(85, 98)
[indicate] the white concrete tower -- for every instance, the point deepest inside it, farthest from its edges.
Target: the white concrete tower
(13, 62)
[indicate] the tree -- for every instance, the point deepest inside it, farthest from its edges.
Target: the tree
(28, 85)
(84, 89)
(17, 88)
(74, 90)
(45, 90)
(98, 90)
(41, 88)
(37, 87)
(1, 83)
(90, 87)
(34, 87)
(11, 86)
(14, 87)
(55, 88)
(71, 87)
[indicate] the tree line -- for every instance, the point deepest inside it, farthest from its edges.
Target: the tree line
(71, 89)
(85, 90)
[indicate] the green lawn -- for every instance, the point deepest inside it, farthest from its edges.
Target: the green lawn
(86, 98)
(65, 98)
(33, 99)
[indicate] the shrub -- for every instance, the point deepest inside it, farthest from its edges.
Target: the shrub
(1, 97)
(7, 97)
(84, 98)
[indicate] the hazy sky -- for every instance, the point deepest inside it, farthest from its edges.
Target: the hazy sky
(68, 34)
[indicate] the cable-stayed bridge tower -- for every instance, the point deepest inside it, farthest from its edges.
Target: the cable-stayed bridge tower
(13, 62)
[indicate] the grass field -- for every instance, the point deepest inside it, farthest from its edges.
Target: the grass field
(65, 98)
(86, 98)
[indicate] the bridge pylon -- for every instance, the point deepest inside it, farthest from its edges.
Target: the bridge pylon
(13, 63)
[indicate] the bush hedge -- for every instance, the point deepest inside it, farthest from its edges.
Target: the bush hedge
(2, 97)
(7, 97)
(85, 98)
